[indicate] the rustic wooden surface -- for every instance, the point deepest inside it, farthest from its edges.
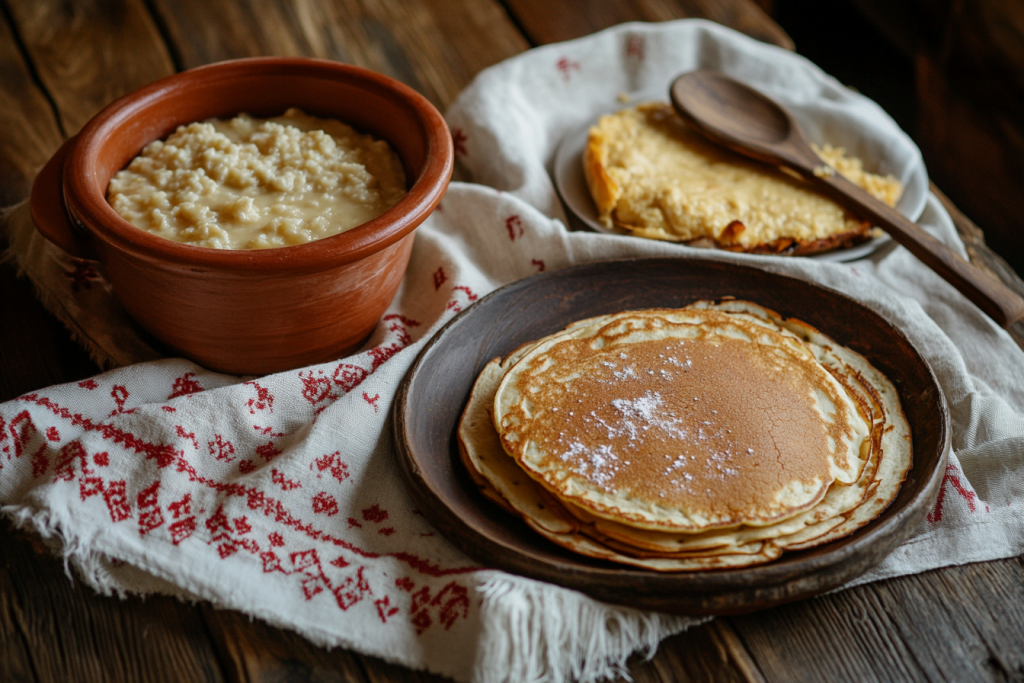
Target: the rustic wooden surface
(61, 61)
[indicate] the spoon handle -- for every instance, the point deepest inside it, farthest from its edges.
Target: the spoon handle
(995, 299)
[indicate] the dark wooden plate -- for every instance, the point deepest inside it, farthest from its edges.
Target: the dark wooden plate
(431, 398)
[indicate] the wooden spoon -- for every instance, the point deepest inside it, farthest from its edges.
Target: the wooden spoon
(742, 119)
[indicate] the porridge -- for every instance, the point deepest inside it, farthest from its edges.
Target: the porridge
(254, 183)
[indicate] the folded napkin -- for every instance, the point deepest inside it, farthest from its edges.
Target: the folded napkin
(279, 496)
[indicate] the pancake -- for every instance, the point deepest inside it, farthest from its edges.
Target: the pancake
(679, 421)
(500, 479)
(880, 465)
(651, 175)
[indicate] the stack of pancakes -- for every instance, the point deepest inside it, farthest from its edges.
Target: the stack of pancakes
(713, 436)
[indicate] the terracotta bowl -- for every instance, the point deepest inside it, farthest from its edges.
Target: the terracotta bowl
(248, 311)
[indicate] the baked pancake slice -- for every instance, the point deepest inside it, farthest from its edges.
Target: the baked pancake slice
(649, 174)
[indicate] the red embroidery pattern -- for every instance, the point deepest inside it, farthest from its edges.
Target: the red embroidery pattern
(181, 511)
(268, 451)
(439, 278)
(185, 385)
(539, 264)
(459, 142)
(21, 429)
(180, 431)
(514, 225)
(276, 539)
(635, 47)
(117, 501)
(375, 514)
(263, 400)
(952, 478)
(372, 400)
(384, 608)
(285, 484)
(399, 325)
(246, 466)
(221, 448)
(325, 504)
(317, 389)
(332, 463)
(186, 525)
(454, 304)
(88, 384)
(450, 603)
(81, 275)
(101, 459)
(40, 462)
(120, 394)
(382, 354)
(52, 434)
(566, 66)
(150, 516)
(348, 377)
(65, 469)
(163, 454)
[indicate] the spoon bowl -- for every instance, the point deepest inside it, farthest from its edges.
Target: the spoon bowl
(730, 111)
(748, 122)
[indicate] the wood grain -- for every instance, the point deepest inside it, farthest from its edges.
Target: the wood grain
(552, 21)
(434, 46)
(959, 623)
(90, 52)
(30, 132)
(708, 653)
(75, 634)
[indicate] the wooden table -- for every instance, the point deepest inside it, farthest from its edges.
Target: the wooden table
(61, 61)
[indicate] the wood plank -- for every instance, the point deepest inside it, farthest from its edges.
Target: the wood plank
(89, 53)
(434, 46)
(552, 21)
(679, 658)
(71, 633)
(709, 653)
(254, 652)
(957, 623)
(28, 128)
(37, 349)
(15, 658)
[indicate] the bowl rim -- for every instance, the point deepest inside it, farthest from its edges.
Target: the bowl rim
(89, 211)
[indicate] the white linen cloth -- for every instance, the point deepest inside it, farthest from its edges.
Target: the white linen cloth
(279, 496)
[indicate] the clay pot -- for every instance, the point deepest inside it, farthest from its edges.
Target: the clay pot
(248, 311)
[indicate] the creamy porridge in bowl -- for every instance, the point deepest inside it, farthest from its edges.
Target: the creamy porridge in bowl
(249, 183)
(230, 302)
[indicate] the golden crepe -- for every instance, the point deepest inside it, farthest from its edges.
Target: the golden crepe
(878, 454)
(651, 175)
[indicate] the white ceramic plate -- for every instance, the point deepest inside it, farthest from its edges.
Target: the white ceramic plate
(817, 123)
